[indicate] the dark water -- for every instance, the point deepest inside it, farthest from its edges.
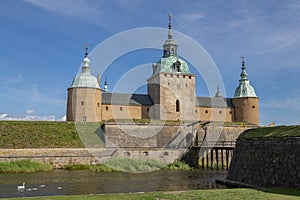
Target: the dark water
(63, 182)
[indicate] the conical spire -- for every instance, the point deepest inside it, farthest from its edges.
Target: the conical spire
(105, 88)
(86, 61)
(170, 35)
(244, 89)
(218, 93)
(243, 74)
(170, 47)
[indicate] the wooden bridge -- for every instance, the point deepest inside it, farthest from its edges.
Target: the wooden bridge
(211, 154)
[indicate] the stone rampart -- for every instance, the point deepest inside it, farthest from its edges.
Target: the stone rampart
(147, 135)
(59, 157)
(266, 162)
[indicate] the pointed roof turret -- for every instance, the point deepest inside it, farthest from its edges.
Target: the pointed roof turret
(170, 47)
(105, 88)
(86, 62)
(218, 93)
(85, 79)
(170, 62)
(244, 89)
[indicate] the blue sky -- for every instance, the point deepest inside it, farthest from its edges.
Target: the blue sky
(42, 45)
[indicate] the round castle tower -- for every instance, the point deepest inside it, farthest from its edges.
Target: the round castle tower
(245, 100)
(84, 96)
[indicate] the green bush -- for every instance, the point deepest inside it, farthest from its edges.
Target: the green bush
(24, 166)
(179, 165)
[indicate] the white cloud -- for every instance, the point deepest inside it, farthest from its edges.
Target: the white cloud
(3, 115)
(29, 112)
(64, 118)
(27, 117)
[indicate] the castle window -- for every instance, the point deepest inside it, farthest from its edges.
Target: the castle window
(98, 104)
(148, 109)
(237, 107)
(127, 153)
(190, 77)
(177, 106)
(106, 108)
(165, 75)
(185, 85)
(84, 118)
(146, 153)
(230, 112)
(177, 76)
(171, 75)
(82, 103)
(177, 66)
(206, 111)
(195, 111)
(168, 83)
(121, 108)
(253, 107)
(220, 112)
(183, 76)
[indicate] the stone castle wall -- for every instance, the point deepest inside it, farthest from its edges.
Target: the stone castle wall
(59, 157)
(267, 162)
(147, 135)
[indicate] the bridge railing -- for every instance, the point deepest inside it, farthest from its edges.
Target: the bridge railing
(217, 144)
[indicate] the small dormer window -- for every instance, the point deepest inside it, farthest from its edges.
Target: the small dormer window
(177, 66)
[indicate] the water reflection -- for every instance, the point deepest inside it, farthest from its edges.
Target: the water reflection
(63, 182)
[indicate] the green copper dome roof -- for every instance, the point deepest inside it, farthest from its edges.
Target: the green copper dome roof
(244, 89)
(171, 64)
(85, 79)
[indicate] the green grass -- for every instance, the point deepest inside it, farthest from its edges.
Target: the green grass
(278, 131)
(36, 134)
(24, 166)
(129, 165)
(221, 194)
(135, 165)
(132, 165)
(99, 168)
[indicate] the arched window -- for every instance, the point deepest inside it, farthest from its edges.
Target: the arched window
(177, 106)
(177, 66)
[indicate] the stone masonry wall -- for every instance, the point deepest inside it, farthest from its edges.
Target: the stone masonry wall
(59, 157)
(266, 162)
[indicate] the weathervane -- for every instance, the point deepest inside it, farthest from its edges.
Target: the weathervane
(170, 25)
(86, 49)
(243, 61)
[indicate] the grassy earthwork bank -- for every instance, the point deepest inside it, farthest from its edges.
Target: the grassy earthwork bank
(222, 194)
(41, 134)
(276, 132)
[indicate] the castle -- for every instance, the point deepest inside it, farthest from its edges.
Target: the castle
(171, 96)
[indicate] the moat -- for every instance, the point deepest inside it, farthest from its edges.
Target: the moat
(63, 182)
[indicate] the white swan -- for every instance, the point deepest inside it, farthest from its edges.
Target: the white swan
(42, 186)
(21, 187)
